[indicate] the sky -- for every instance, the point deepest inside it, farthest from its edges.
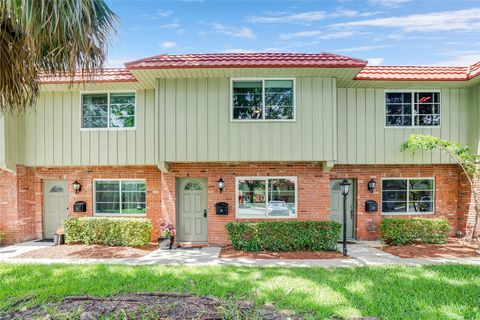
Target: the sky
(384, 32)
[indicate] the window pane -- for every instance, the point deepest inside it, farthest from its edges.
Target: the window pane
(107, 185)
(279, 99)
(421, 184)
(427, 108)
(107, 196)
(247, 100)
(133, 185)
(251, 198)
(394, 206)
(420, 195)
(281, 197)
(107, 208)
(421, 206)
(398, 97)
(395, 184)
(394, 195)
(122, 110)
(94, 111)
(134, 208)
(133, 196)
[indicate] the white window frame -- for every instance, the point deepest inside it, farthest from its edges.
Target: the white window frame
(108, 128)
(263, 100)
(99, 214)
(265, 178)
(412, 92)
(408, 213)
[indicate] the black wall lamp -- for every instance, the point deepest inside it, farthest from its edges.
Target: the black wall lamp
(221, 184)
(371, 185)
(77, 187)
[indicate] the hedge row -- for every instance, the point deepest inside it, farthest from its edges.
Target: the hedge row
(283, 235)
(108, 231)
(398, 231)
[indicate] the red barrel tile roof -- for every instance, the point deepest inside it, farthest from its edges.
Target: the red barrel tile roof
(106, 75)
(247, 60)
(418, 73)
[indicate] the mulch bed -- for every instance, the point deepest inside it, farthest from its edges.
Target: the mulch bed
(82, 251)
(455, 248)
(149, 305)
(229, 252)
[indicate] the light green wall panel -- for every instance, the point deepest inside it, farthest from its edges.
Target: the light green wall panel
(474, 118)
(194, 124)
(364, 139)
(52, 135)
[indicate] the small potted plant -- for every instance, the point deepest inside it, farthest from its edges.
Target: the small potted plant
(167, 236)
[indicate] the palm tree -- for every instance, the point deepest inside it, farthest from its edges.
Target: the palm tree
(58, 37)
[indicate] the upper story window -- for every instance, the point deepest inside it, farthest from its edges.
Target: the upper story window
(263, 99)
(412, 109)
(108, 110)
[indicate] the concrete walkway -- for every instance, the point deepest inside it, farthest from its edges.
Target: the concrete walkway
(361, 253)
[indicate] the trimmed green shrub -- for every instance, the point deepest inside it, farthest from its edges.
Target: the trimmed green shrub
(398, 231)
(108, 231)
(284, 235)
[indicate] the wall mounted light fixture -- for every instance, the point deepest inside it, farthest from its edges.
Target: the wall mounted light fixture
(371, 185)
(221, 184)
(77, 187)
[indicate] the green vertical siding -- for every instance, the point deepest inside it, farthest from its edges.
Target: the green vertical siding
(364, 139)
(194, 124)
(52, 135)
(474, 118)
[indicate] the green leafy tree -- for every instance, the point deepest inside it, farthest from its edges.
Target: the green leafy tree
(461, 154)
(58, 37)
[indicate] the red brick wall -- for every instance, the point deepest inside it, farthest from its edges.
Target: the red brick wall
(9, 223)
(446, 191)
(466, 206)
(22, 209)
(312, 190)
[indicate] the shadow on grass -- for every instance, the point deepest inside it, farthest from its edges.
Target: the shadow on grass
(430, 292)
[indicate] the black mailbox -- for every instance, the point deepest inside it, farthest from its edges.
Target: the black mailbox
(221, 208)
(80, 206)
(371, 206)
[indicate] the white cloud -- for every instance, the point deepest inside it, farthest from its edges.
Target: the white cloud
(461, 20)
(168, 44)
(164, 13)
(317, 35)
(389, 3)
(362, 48)
(170, 26)
(459, 58)
(303, 17)
(242, 32)
(375, 61)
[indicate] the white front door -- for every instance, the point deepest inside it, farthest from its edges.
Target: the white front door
(336, 206)
(55, 210)
(192, 210)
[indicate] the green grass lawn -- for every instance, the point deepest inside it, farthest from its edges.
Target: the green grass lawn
(431, 292)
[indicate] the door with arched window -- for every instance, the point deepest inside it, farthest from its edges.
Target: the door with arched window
(55, 206)
(336, 206)
(192, 210)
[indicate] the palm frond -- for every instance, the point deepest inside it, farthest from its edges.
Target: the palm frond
(58, 37)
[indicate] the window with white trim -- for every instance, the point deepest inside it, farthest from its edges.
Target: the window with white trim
(108, 110)
(260, 197)
(412, 109)
(408, 196)
(120, 197)
(265, 99)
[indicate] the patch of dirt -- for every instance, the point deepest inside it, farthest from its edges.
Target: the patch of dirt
(150, 305)
(455, 248)
(82, 251)
(229, 252)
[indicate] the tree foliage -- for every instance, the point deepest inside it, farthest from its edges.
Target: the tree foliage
(57, 37)
(462, 154)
